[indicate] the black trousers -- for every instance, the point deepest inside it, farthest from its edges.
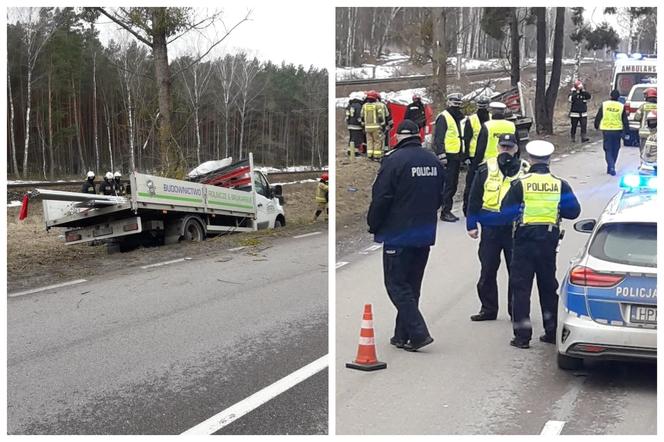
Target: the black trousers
(530, 258)
(581, 121)
(470, 174)
(451, 181)
(611, 148)
(403, 270)
(494, 241)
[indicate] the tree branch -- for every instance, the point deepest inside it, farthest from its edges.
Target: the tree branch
(125, 26)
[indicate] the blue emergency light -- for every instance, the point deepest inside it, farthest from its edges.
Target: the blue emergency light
(638, 182)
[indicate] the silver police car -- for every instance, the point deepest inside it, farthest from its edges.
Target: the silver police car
(608, 299)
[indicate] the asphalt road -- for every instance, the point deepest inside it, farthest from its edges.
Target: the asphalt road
(470, 380)
(163, 349)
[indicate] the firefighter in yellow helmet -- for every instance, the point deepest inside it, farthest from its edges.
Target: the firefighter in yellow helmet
(374, 120)
(490, 185)
(611, 119)
(322, 196)
(536, 201)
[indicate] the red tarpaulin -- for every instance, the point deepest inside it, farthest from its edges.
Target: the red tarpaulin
(398, 110)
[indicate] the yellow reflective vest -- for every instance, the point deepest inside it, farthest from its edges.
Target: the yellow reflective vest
(374, 115)
(477, 126)
(611, 115)
(452, 136)
(541, 199)
(497, 184)
(495, 128)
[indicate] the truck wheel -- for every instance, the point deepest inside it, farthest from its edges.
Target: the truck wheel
(277, 223)
(569, 363)
(193, 231)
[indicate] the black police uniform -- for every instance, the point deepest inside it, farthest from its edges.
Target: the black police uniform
(534, 253)
(405, 198)
(453, 159)
(88, 187)
(495, 238)
(354, 123)
(483, 115)
(106, 188)
(578, 112)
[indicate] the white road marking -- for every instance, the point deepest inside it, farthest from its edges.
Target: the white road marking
(552, 428)
(49, 287)
(341, 264)
(370, 249)
(159, 264)
(307, 234)
(235, 249)
(234, 412)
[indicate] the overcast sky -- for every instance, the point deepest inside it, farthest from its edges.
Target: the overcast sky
(271, 34)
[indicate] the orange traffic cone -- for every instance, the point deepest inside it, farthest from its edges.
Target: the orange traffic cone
(366, 359)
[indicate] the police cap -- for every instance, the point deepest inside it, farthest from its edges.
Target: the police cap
(507, 140)
(408, 127)
(539, 148)
(497, 106)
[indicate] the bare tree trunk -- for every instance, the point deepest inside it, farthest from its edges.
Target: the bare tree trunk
(108, 132)
(51, 170)
(515, 60)
(556, 70)
(130, 118)
(630, 39)
(27, 123)
(42, 140)
(540, 85)
(459, 40)
(17, 171)
(439, 54)
(78, 128)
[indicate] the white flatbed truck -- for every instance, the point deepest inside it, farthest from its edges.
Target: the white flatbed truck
(160, 210)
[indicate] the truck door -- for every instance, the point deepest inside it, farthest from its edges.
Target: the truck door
(265, 210)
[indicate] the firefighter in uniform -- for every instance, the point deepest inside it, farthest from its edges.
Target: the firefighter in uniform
(536, 201)
(447, 145)
(405, 199)
(611, 119)
(106, 186)
(322, 196)
(357, 139)
(649, 152)
(471, 132)
(578, 111)
(415, 112)
(118, 187)
(642, 114)
(374, 119)
(389, 124)
(89, 184)
(491, 183)
(487, 140)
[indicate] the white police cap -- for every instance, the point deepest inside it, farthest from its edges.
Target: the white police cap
(497, 105)
(539, 148)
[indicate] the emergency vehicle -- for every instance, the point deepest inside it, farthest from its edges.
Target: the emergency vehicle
(158, 210)
(608, 299)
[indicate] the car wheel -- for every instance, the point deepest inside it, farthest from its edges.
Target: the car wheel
(193, 231)
(277, 223)
(569, 363)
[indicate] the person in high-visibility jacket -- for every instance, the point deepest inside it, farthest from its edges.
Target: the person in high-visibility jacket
(321, 196)
(487, 140)
(649, 152)
(489, 187)
(611, 119)
(471, 132)
(447, 143)
(374, 120)
(641, 114)
(536, 201)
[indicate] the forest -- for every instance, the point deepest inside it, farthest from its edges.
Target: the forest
(76, 104)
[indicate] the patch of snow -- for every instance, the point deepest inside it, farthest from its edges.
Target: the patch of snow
(14, 204)
(295, 182)
(404, 96)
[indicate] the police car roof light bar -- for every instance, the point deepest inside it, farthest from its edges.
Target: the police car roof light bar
(638, 182)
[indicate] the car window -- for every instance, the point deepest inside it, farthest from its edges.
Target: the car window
(625, 81)
(260, 185)
(637, 94)
(626, 243)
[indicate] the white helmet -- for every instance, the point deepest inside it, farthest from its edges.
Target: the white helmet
(91, 174)
(109, 175)
(117, 174)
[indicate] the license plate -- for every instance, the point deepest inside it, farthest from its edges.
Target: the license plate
(643, 314)
(103, 231)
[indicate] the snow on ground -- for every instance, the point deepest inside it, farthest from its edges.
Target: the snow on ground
(404, 96)
(14, 204)
(30, 183)
(269, 170)
(294, 182)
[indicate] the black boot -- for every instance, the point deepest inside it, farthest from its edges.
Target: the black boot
(448, 217)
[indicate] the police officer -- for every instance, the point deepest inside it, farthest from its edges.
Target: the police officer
(322, 196)
(537, 201)
(471, 132)
(415, 112)
(405, 198)
(374, 120)
(611, 119)
(118, 187)
(487, 141)
(642, 112)
(89, 184)
(491, 183)
(447, 145)
(106, 186)
(354, 123)
(578, 111)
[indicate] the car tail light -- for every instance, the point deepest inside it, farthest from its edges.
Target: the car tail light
(628, 107)
(129, 227)
(590, 348)
(71, 236)
(585, 276)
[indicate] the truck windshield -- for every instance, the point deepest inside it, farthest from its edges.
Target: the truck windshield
(626, 243)
(625, 81)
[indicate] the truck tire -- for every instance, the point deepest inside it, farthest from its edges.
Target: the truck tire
(193, 231)
(277, 223)
(569, 363)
